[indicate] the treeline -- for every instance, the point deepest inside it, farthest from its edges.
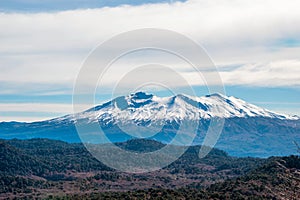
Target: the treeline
(41, 168)
(43, 157)
(278, 178)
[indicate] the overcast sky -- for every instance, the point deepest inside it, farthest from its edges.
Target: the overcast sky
(255, 45)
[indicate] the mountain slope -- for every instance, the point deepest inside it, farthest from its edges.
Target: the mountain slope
(15, 161)
(141, 107)
(248, 130)
(278, 179)
(56, 167)
(41, 168)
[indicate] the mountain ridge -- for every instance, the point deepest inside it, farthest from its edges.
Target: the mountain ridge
(141, 106)
(248, 130)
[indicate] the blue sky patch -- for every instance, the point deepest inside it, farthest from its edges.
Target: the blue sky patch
(59, 5)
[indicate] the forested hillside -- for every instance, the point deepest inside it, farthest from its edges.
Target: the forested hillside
(41, 168)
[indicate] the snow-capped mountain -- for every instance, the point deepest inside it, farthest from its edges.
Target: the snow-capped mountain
(248, 129)
(141, 107)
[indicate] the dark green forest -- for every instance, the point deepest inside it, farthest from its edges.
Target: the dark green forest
(49, 169)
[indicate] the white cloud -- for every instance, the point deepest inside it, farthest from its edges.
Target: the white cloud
(22, 118)
(48, 48)
(36, 107)
(276, 73)
(34, 111)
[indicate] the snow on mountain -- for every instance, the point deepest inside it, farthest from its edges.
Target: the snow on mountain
(143, 108)
(234, 107)
(248, 129)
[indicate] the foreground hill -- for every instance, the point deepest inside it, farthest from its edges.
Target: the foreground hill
(248, 129)
(278, 179)
(42, 168)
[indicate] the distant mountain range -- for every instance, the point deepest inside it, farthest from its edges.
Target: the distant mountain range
(248, 130)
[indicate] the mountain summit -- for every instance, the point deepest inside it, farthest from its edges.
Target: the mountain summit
(141, 107)
(248, 129)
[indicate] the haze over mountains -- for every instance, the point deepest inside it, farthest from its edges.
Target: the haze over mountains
(248, 130)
